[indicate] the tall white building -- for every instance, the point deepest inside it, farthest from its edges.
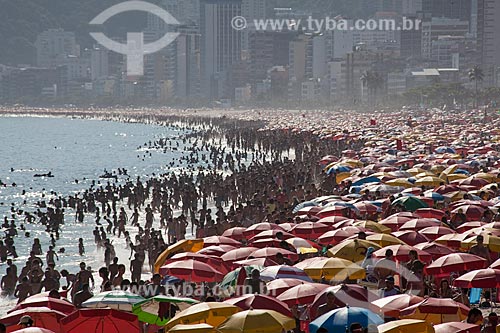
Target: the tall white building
(54, 46)
(220, 44)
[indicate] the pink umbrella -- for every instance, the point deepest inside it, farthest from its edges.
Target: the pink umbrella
(250, 302)
(272, 252)
(283, 272)
(270, 234)
(430, 213)
(334, 237)
(345, 294)
(266, 242)
(309, 230)
(470, 225)
(472, 213)
(495, 265)
(456, 262)
(254, 262)
(216, 250)
(395, 221)
(192, 271)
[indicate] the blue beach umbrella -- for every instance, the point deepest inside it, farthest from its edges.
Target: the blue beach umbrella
(434, 196)
(338, 169)
(339, 320)
(303, 205)
(366, 180)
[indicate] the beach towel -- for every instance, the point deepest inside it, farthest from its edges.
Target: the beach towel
(475, 295)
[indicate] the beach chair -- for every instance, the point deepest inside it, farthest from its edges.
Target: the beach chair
(475, 295)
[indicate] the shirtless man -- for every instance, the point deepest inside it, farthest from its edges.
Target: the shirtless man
(83, 277)
(117, 281)
(136, 268)
(50, 256)
(23, 290)
(480, 250)
(8, 283)
(113, 269)
(82, 296)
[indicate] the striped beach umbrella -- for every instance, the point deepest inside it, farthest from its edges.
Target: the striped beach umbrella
(154, 310)
(115, 299)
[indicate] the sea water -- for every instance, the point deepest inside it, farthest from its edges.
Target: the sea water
(72, 149)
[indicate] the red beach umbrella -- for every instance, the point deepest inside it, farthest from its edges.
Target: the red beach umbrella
(391, 306)
(401, 253)
(192, 271)
(472, 213)
(434, 233)
(259, 227)
(238, 254)
(279, 286)
(272, 252)
(263, 302)
(48, 302)
(42, 317)
(395, 222)
(436, 250)
(265, 262)
(430, 213)
(344, 294)
(420, 223)
(309, 230)
(470, 225)
(456, 262)
(216, 250)
(410, 237)
(270, 234)
(235, 233)
(220, 240)
(100, 321)
(481, 278)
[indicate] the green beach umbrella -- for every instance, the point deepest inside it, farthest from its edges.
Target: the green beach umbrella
(115, 299)
(228, 284)
(148, 310)
(410, 204)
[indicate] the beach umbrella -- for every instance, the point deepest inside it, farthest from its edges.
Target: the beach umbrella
(236, 277)
(150, 310)
(456, 262)
(352, 249)
(266, 242)
(472, 212)
(264, 262)
(301, 294)
(391, 306)
(35, 301)
(261, 302)
(457, 327)
(42, 317)
(436, 311)
(220, 240)
(212, 313)
(430, 213)
(259, 227)
(192, 271)
(401, 253)
(481, 278)
(335, 236)
(33, 330)
(395, 221)
(470, 225)
(365, 207)
(283, 271)
(420, 223)
(257, 321)
(436, 250)
(303, 205)
(115, 299)
(490, 241)
(298, 242)
(272, 253)
(428, 181)
(434, 196)
(100, 321)
(434, 233)
(495, 264)
(216, 250)
(452, 240)
(410, 237)
(270, 234)
(373, 226)
(403, 182)
(194, 328)
(186, 245)
(384, 239)
(235, 233)
(447, 188)
(334, 268)
(343, 294)
(213, 261)
(339, 320)
(309, 230)
(409, 203)
(406, 326)
(238, 254)
(279, 286)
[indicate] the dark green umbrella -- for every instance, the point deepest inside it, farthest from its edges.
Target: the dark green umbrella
(409, 203)
(148, 310)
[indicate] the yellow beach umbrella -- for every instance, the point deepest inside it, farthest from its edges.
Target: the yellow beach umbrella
(455, 196)
(341, 176)
(487, 176)
(352, 249)
(456, 176)
(373, 226)
(438, 168)
(425, 174)
(212, 313)
(399, 182)
(385, 240)
(415, 171)
(334, 268)
(186, 245)
(257, 321)
(428, 181)
(195, 328)
(490, 241)
(406, 326)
